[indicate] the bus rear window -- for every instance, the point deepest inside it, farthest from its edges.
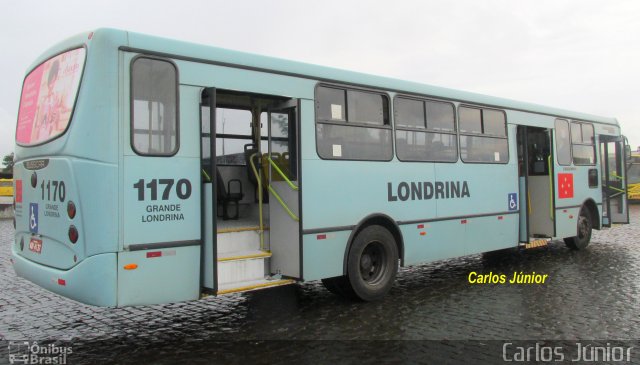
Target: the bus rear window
(48, 96)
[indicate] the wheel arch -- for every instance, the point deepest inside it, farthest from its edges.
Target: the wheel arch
(380, 219)
(590, 204)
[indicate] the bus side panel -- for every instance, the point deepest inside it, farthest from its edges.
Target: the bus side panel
(324, 257)
(161, 276)
(566, 226)
(492, 233)
(441, 240)
(161, 195)
(161, 200)
(491, 188)
(567, 222)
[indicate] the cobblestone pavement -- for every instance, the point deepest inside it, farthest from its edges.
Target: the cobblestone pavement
(590, 295)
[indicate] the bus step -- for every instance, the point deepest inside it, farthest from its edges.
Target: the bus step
(242, 266)
(243, 239)
(241, 229)
(537, 243)
(252, 285)
(243, 255)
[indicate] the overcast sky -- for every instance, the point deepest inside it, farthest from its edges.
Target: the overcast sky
(580, 55)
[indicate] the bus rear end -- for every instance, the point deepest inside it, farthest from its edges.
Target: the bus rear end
(66, 173)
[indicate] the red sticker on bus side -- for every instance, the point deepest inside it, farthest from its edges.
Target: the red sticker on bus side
(565, 186)
(18, 192)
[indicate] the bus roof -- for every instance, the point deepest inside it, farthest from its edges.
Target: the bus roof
(201, 53)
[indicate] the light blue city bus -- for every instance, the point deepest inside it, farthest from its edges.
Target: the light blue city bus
(151, 170)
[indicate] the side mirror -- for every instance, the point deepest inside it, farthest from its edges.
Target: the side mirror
(627, 152)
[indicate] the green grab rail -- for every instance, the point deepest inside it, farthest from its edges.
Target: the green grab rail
(284, 206)
(259, 179)
(273, 164)
(275, 194)
(551, 189)
(206, 175)
(616, 189)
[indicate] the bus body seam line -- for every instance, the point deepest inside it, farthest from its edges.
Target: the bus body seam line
(569, 207)
(349, 228)
(455, 217)
(328, 229)
(158, 245)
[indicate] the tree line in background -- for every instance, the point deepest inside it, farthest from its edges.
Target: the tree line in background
(7, 162)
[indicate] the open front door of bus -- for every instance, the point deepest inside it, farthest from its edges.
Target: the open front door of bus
(614, 180)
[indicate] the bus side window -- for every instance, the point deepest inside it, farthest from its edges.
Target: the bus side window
(483, 135)
(425, 130)
(583, 143)
(563, 142)
(353, 124)
(154, 107)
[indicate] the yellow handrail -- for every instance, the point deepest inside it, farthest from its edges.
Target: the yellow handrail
(273, 164)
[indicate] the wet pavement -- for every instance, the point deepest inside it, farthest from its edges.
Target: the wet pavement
(432, 314)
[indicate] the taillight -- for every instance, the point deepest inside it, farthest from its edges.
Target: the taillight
(71, 209)
(73, 234)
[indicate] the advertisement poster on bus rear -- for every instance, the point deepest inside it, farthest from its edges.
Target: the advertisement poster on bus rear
(48, 96)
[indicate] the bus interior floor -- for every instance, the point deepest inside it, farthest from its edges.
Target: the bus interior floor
(248, 217)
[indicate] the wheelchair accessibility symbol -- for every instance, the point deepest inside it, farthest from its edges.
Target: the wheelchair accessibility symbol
(33, 217)
(513, 201)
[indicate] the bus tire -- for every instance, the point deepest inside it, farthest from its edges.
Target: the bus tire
(372, 263)
(585, 226)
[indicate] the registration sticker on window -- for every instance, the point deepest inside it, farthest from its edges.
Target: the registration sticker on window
(336, 111)
(337, 150)
(35, 245)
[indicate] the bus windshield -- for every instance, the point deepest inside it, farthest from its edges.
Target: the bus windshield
(48, 96)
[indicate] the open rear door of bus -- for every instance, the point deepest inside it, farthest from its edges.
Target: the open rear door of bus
(614, 180)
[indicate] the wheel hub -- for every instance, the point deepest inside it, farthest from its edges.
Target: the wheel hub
(371, 268)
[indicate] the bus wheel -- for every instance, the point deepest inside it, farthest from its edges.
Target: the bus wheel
(585, 225)
(372, 263)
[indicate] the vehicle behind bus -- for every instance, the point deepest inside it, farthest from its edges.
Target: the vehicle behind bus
(6, 187)
(633, 178)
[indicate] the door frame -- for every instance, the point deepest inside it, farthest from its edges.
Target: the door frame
(603, 149)
(295, 104)
(522, 140)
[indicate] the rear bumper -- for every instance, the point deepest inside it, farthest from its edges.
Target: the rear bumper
(93, 281)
